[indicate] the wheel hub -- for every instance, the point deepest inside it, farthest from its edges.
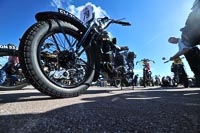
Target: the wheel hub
(66, 58)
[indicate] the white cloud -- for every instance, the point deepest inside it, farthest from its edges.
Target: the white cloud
(57, 3)
(67, 5)
(99, 12)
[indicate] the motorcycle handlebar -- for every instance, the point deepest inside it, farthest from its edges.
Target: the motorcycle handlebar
(171, 60)
(109, 21)
(145, 60)
(167, 61)
(122, 23)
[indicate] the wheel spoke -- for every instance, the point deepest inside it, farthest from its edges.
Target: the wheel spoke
(67, 68)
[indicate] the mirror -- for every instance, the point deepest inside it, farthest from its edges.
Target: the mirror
(163, 58)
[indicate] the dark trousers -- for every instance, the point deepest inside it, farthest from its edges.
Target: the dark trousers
(193, 58)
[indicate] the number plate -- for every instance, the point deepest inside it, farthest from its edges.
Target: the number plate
(86, 14)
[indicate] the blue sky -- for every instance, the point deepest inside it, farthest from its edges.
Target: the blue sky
(153, 22)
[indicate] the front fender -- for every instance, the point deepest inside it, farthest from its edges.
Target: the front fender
(67, 17)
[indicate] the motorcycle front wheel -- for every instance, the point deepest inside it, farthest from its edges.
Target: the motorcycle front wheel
(54, 61)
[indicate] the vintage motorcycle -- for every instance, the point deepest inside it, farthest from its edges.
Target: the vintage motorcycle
(157, 81)
(180, 75)
(119, 68)
(10, 77)
(80, 51)
(117, 64)
(147, 79)
(166, 81)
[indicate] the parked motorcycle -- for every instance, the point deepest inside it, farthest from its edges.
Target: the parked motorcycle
(121, 73)
(11, 77)
(166, 81)
(147, 79)
(82, 52)
(180, 75)
(157, 81)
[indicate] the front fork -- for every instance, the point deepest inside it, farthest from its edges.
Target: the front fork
(88, 43)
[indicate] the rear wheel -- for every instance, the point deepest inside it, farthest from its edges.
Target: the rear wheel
(55, 62)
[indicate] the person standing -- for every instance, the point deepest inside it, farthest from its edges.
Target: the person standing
(191, 31)
(135, 80)
(190, 38)
(192, 55)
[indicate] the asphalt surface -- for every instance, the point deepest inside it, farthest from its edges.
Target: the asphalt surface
(102, 110)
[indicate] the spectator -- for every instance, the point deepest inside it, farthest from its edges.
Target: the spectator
(192, 55)
(135, 80)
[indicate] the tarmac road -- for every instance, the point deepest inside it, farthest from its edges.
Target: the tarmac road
(102, 110)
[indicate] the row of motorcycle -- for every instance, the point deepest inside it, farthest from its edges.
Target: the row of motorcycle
(118, 73)
(61, 55)
(179, 77)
